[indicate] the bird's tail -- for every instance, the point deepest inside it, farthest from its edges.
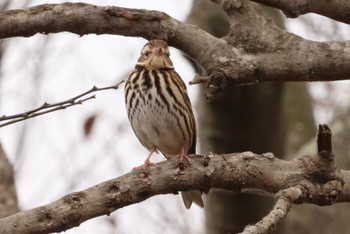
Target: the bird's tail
(192, 196)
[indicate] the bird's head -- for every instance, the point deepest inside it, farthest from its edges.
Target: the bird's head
(155, 55)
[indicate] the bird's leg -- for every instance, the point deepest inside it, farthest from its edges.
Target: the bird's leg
(147, 162)
(183, 156)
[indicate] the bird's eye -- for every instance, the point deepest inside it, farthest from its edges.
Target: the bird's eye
(146, 53)
(168, 54)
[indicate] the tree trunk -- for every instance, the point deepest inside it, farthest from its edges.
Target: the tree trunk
(240, 119)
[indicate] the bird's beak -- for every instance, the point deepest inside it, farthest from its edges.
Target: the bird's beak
(159, 51)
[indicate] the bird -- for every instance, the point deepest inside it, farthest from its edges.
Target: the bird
(160, 111)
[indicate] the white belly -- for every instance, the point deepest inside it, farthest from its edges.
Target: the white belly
(156, 127)
(160, 117)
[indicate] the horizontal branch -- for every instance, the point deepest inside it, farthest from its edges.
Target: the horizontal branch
(254, 51)
(335, 9)
(231, 172)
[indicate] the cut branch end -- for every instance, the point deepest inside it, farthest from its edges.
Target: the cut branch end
(324, 138)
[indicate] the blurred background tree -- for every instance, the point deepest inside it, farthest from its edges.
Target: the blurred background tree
(275, 117)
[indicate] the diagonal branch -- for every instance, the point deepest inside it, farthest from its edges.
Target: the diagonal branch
(336, 9)
(47, 108)
(254, 51)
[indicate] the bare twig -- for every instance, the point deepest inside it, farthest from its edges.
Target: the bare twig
(284, 201)
(47, 108)
(197, 79)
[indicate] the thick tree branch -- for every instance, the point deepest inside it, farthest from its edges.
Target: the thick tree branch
(280, 55)
(336, 9)
(246, 55)
(51, 107)
(316, 178)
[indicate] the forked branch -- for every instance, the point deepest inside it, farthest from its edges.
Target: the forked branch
(254, 51)
(284, 201)
(310, 179)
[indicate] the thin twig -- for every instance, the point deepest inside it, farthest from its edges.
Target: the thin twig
(47, 108)
(199, 79)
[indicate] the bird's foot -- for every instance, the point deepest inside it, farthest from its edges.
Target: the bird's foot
(185, 157)
(184, 160)
(146, 164)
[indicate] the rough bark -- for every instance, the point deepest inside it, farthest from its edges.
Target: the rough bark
(270, 54)
(315, 179)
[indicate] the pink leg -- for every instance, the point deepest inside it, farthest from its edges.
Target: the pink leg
(147, 162)
(184, 156)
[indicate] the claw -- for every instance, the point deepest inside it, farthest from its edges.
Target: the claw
(184, 157)
(147, 162)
